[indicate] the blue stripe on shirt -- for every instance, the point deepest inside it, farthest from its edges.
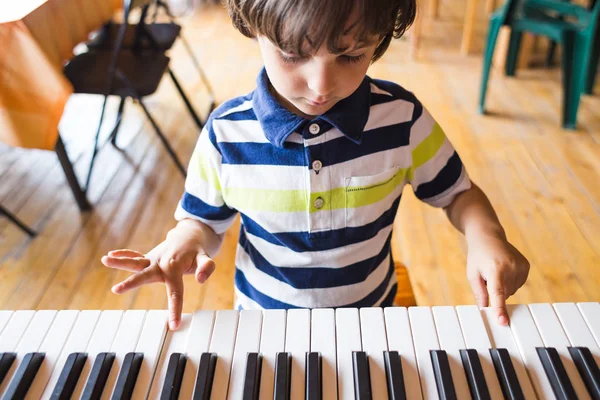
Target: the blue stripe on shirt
(197, 207)
(300, 241)
(342, 149)
(376, 294)
(262, 154)
(268, 302)
(315, 277)
(443, 181)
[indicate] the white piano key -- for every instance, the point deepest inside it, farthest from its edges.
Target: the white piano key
(4, 317)
(591, 314)
(424, 339)
(297, 342)
(125, 342)
(501, 337)
(76, 343)
(174, 342)
(322, 340)
(14, 330)
(198, 342)
(400, 339)
(577, 330)
(52, 346)
(527, 337)
(247, 341)
(272, 341)
(476, 337)
(150, 344)
(30, 341)
(347, 327)
(553, 336)
(101, 341)
(222, 343)
(374, 343)
(450, 339)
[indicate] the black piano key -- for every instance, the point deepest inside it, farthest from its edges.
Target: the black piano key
(511, 388)
(69, 376)
(6, 360)
(98, 376)
(252, 378)
(314, 376)
(26, 372)
(395, 377)
(362, 377)
(205, 376)
(588, 369)
(283, 376)
(443, 375)
(475, 377)
(555, 371)
(174, 376)
(127, 376)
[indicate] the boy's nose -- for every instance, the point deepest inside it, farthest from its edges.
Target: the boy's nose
(321, 82)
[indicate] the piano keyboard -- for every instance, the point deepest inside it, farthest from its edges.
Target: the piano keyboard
(549, 351)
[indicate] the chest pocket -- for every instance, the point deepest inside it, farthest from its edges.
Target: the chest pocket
(368, 197)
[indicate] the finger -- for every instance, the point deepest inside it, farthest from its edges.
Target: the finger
(148, 275)
(498, 299)
(175, 297)
(205, 267)
(126, 263)
(125, 253)
(479, 290)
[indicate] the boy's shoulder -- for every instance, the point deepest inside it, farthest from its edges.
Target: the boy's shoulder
(236, 108)
(392, 91)
(383, 91)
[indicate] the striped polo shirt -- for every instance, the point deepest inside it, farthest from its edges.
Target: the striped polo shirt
(317, 198)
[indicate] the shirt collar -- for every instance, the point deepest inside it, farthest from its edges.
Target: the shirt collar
(349, 115)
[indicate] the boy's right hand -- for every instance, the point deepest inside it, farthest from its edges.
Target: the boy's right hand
(182, 252)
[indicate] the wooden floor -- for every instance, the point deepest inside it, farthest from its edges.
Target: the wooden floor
(543, 181)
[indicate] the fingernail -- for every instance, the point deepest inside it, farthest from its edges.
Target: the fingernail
(173, 325)
(502, 319)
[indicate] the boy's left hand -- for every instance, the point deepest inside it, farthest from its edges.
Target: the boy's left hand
(495, 269)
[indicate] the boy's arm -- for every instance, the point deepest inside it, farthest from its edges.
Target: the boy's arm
(472, 214)
(495, 268)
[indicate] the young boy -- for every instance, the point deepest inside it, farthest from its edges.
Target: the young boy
(315, 160)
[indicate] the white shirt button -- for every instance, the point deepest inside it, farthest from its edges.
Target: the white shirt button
(317, 165)
(319, 202)
(314, 129)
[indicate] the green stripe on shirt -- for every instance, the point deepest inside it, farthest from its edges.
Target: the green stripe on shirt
(427, 149)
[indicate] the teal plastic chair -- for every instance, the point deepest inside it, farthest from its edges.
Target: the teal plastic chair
(576, 34)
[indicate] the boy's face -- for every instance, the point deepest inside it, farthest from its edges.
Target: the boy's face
(311, 85)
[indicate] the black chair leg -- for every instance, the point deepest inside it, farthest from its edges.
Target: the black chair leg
(16, 221)
(163, 139)
(80, 197)
(115, 131)
(95, 150)
(186, 100)
(550, 54)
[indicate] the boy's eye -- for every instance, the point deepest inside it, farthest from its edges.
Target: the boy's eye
(352, 59)
(291, 59)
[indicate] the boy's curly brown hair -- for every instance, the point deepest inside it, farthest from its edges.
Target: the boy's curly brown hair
(292, 24)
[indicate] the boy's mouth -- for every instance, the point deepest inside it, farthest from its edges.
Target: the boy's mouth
(317, 103)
